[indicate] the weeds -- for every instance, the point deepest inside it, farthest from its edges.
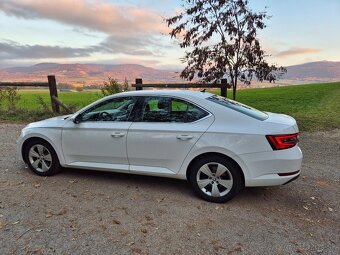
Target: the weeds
(12, 96)
(43, 104)
(2, 96)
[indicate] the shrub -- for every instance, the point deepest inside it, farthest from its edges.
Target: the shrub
(2, 96)
(12, 96)
(111, 87)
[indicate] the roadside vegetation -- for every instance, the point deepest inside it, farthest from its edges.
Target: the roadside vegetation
(315, 106)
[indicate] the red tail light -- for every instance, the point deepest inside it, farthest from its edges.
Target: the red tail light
(280, 142)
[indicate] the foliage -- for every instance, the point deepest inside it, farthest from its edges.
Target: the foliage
(112, 87)
(12, 96)
(125, 86)
(2, 96)
(43, 104)
(221, 36)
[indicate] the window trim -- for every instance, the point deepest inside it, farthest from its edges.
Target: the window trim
(143, 101)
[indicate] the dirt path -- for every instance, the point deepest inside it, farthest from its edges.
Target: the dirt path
(85, 212)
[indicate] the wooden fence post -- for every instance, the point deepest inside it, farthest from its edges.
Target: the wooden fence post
(53, 92)
(139, 83)
(224, 84)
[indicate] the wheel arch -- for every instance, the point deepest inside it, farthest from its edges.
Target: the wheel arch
(207, 154)
(34, 138)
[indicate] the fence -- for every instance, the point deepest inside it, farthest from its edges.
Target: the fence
(51, 84)
(223, 85)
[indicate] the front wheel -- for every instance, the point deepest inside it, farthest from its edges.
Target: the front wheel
(215, 179)
(41, 158)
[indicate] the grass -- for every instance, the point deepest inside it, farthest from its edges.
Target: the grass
(315, 106)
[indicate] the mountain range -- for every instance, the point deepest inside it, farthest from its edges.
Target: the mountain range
(95, 74)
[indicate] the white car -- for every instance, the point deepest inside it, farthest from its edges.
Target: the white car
(218, 145)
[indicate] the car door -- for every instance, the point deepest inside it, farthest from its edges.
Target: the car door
(166, 131)
(98, 141)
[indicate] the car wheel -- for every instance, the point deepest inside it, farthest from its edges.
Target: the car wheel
(41, 158)
(215, 179)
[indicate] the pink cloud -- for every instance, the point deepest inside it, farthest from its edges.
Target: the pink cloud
(297, 51)
(95, 15)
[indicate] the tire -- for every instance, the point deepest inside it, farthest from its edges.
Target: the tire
(41, 158)
(215, 179)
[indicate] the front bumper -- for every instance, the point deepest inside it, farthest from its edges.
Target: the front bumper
(273, 167)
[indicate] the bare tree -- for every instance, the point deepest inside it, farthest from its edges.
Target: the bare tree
(221, 36)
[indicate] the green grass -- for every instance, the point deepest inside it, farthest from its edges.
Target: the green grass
(315, 106)
(28, 100)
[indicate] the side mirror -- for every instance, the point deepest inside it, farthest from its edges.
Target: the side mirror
(77, 119)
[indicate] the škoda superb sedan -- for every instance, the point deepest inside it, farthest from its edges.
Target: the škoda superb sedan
(218, 145)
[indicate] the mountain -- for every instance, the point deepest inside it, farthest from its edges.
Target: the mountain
(90, 74)
(95, 74)
(322, 71)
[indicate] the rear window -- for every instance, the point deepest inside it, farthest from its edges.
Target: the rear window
(242, 108)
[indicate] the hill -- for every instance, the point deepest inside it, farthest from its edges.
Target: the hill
(95, 74)
(87, 73)
(322, 71)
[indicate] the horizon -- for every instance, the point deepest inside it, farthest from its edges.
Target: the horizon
(132, 32)
(116, 64)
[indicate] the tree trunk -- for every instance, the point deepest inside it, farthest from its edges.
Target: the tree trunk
(234, 89)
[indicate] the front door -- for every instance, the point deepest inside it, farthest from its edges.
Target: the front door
(99, 139)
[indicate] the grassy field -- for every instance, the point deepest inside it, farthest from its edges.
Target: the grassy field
(315, 106)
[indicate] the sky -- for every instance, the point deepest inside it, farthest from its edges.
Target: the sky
(133, 31)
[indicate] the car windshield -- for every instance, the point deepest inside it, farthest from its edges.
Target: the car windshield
(245, 109)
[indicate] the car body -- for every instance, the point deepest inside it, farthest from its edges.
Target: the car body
(165, 133)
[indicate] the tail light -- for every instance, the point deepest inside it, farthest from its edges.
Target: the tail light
(281, 142)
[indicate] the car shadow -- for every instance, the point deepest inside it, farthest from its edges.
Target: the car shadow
(177, 187)
(130, 179)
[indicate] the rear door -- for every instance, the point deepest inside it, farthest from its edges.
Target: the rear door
(166, 130)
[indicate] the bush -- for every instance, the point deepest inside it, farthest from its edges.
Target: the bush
(112, 87)
(2, 96)
(12, 96)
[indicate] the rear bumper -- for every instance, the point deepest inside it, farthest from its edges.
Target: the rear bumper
(273, 167)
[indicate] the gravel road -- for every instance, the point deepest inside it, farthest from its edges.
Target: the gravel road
(86, 212)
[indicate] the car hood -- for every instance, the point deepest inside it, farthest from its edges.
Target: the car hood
(56, 122)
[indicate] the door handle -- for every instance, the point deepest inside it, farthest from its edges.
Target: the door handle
(184, 137)
(117, 134)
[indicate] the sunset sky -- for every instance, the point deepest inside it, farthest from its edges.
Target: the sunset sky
(117, 32)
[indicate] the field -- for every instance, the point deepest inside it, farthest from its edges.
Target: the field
(315, 106)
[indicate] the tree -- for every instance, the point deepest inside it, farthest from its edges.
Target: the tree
(125, 86)
(223, 42)
(112, 87)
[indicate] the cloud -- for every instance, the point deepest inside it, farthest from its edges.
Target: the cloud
(95, 15)
(12, 50)
(130, 30)
(297, 51)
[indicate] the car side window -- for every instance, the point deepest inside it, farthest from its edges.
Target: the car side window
(114, 109)
(166, 109)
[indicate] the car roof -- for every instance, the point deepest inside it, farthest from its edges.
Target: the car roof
(166, 92)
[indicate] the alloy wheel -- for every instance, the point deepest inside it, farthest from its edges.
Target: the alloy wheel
(40, 158)
(214, 179)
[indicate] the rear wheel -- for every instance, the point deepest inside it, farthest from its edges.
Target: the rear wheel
(215, 179)
(41, 158)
